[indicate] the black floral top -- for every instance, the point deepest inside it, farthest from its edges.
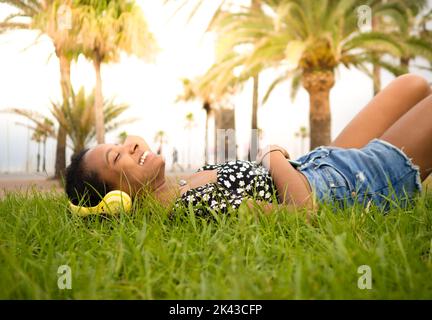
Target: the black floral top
(236, 181)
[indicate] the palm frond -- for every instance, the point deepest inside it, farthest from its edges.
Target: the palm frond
(374, 41)
(416, 46)
(277, 81)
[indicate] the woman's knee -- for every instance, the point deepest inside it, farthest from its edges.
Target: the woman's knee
(415, 83)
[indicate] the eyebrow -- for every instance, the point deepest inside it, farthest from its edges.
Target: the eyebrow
(106, 156)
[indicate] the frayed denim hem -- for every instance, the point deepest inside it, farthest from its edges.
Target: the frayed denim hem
(408, 161)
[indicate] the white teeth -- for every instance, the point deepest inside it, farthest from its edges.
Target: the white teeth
(143, 157)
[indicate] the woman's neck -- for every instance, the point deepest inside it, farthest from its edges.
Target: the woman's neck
(167, 192)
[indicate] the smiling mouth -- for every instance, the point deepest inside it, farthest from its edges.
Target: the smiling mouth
(143, 157)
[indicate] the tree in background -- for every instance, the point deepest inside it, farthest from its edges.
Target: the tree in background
(190, 124)
(106, 29)
(121, 138)
(42, 127)
(50, 18)
(160, 139)
(308, 40)
(78, 119)
(302, 134)
(403, 19)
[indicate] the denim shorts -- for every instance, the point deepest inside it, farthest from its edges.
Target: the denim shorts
(379, 174)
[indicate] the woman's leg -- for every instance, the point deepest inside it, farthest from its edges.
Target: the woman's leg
(383, 111)
(412, 133)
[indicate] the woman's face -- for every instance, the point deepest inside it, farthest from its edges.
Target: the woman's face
(123, 168)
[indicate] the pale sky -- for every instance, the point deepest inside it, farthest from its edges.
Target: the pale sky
(30, 79)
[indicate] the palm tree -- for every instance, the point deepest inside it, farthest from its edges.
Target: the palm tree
(108, 28)
(160, 138)
(403, 19)
(78, 119)
(193, 91)
(213, 101)
(45, 136)
(254, 145)
(302, 134)
(308, 40)
(415, 39)
(40, 135)
(190, 123)
(42, 127)
(37, 138)
(43, 16)
(122, 137)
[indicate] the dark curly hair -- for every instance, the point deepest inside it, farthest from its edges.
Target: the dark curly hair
(83, 186)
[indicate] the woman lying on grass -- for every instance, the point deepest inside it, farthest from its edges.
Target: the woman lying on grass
(382, 155)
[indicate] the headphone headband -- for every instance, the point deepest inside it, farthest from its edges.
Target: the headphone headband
(112, 203)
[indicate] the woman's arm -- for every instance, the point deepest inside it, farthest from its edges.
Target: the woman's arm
(292, 187)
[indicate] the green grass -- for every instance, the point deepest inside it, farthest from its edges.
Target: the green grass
(243, 255)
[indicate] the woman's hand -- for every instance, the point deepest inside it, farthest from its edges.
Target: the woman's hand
(270, 148)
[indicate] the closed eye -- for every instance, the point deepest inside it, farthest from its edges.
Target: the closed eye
(116, 158)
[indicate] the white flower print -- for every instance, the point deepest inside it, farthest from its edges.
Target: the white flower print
(235, 180)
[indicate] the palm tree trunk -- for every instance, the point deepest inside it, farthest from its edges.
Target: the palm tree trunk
(376, 73)
(376, 69)
(254, 143)
(38, 158)
(254, 140)
(318, 85)
(60, 163)
(404, 63)
(98, 106)
(225, 119)
(207, 109)
(44, 156)
(78, 147)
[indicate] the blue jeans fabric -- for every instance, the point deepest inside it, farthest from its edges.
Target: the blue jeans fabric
(379, 173)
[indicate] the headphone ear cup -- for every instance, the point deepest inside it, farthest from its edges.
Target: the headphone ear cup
(79, 210)
(115, 202)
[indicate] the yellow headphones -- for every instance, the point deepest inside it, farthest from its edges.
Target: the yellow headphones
(112, 203)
